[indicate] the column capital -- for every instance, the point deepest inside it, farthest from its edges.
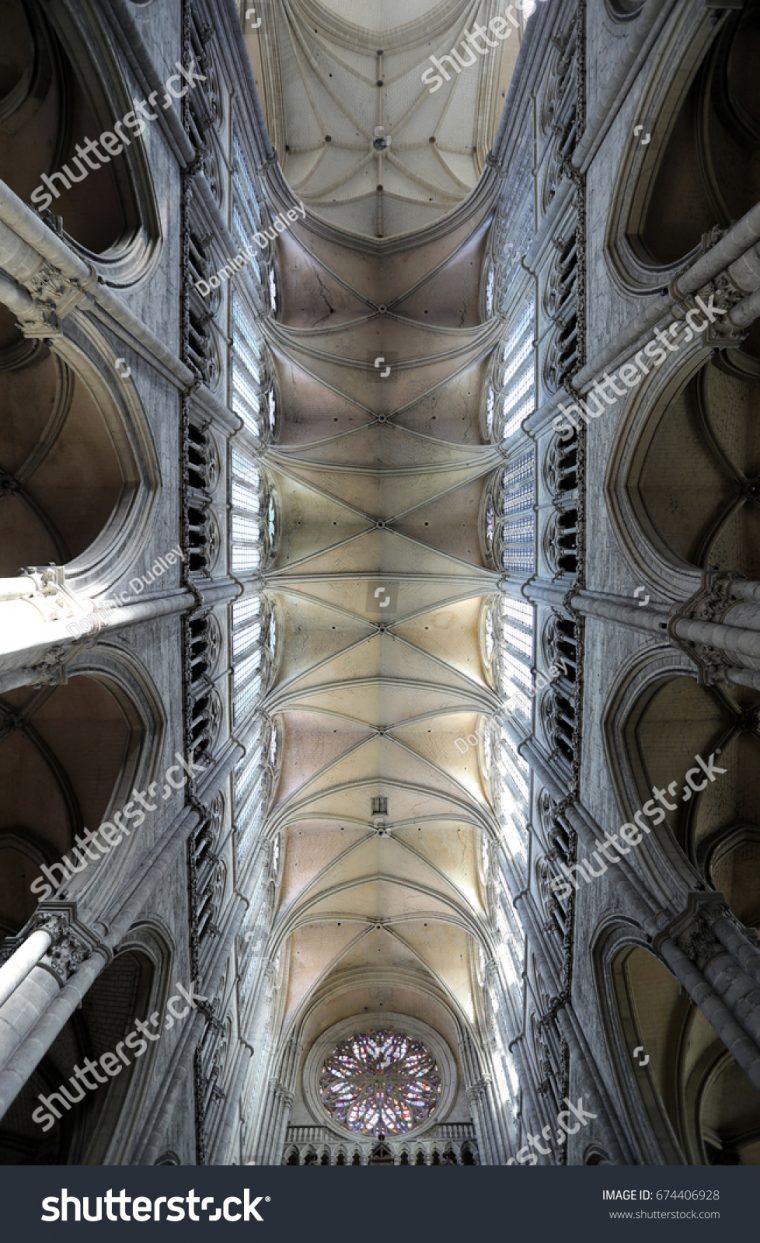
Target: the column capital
(722, 334)
(477, 1090)
(710, 604)
(73, 943)
(713, 598)
(53, 296)
(692, 930)
(280, 1092)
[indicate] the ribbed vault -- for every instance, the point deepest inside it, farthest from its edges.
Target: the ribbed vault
(380, 349)
(379, 581)
(362, 138)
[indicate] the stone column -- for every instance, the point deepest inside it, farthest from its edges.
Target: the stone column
(44, 624)
(232, 1120)
(636, 614)
(715, 974)
(37, 617)
(503, 1034)
(476, 1091)
(279, 1102)
(532, 753)
(286, 1104)
(22, 961)
(45, 999)
(719, 629)
(477, 1097)
(165, 1104)
(727, 249)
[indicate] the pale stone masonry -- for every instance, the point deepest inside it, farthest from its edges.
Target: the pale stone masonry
(430, 631)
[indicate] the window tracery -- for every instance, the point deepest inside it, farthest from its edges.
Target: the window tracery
(510, 390)
(380, 1082)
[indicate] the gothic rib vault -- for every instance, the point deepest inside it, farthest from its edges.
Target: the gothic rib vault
(340, 438)
(361, 136)
(380, 351)
(379, 582)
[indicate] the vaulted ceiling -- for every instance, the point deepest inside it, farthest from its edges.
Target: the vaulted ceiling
(362, 139)
(380, 469)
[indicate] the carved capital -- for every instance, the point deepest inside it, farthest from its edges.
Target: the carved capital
(476, 1091)
(48, 588)
(40, 322)
(699, 943)
(710, 603)
(713, 599)
(692, 930)
(54, 601)
(53, 669)
(54, 296)
(722, 334)
(72, 943)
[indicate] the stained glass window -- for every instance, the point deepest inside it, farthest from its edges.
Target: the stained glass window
(380, 1082)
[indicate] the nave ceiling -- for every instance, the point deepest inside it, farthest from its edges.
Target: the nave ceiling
(379, 582)
(380, 574)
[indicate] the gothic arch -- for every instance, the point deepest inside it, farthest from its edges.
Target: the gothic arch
(711, 837)
(109, 209)
(49, 735)
(689, 1096)
(594, 1155)
(79, 465)
(651, 1129)
(706, 158)
(22, 853)
(670, 403)
(722, 1108)
(152, 942)
(85, 744)
(710, 425)
(343, 1002)
(624, 10)
(81, 1134)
